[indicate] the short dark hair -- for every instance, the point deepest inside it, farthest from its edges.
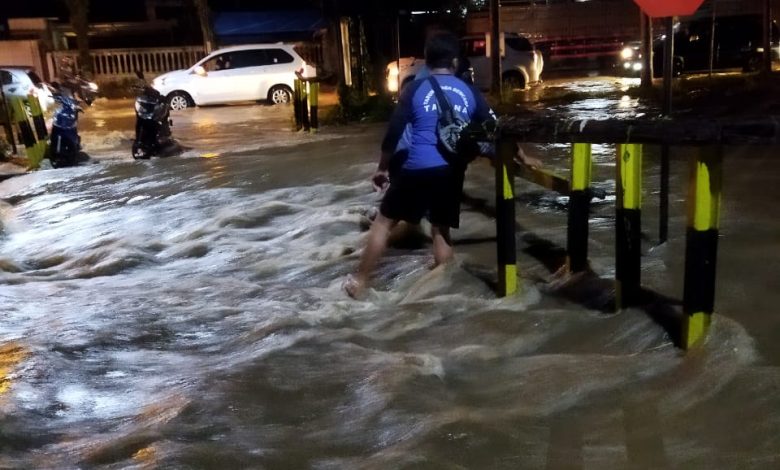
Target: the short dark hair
(441, 49)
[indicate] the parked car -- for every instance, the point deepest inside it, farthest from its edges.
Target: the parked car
(255, 72)
(22, 81)
(738, 44)
(522, 63)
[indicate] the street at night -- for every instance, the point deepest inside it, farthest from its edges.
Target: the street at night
(189, 310)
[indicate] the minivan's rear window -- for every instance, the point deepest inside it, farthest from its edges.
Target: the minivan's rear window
(6, 77)
(34, 77)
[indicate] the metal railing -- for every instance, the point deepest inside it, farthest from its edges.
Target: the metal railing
(704, 189)
(123, 63)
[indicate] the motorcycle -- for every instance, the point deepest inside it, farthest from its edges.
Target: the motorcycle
(85, 90)
(64, 141)
(152, 124)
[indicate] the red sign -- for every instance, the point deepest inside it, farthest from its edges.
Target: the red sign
(663, 8)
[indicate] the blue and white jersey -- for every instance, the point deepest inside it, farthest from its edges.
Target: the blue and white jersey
(414, 122)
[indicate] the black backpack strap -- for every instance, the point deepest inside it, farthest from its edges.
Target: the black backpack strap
(441, 98)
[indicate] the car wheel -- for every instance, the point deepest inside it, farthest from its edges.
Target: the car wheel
(514, 81)
(179, 100)
(280, 94)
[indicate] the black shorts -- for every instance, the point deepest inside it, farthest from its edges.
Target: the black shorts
(433, 193)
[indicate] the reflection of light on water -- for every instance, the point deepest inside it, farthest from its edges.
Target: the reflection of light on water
(626, 102)
(100, 123)
(11, 354)
(628, 82)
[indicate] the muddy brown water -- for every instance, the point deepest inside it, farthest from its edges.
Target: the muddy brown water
(187, 313)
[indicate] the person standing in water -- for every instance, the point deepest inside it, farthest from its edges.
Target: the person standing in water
(425, 185)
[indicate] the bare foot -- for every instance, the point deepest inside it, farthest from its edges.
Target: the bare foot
(354, 287)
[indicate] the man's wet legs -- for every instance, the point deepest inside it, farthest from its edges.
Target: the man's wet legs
(442, 244)
(375, 246)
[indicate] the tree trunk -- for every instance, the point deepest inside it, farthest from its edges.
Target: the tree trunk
(79, 21)
(204, 15)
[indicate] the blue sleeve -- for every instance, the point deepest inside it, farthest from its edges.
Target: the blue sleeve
(401, 117)
(482, 111)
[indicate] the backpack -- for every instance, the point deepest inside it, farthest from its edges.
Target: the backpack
(456, 147)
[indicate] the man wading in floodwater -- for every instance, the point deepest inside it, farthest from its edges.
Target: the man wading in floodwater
(426, 185)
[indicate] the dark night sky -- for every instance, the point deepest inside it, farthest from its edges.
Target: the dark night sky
(131, 10)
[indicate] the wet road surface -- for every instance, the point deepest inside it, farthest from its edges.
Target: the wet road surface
(187, 313)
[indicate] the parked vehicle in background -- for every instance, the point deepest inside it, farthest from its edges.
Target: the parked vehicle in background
(23, 81)
(522, 63)
(257, 72)
(738, 43)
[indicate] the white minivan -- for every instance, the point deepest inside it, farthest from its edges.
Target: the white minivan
(242, 73)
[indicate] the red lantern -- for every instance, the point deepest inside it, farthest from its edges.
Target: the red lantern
(663, 8)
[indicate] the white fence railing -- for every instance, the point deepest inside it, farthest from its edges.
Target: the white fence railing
(113, 64)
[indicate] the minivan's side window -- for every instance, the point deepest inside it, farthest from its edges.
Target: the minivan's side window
(219, 62)
(250, 58)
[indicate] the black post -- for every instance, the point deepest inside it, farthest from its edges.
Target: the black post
(668, 65)
(663, 203)
(305, 105)
(628, 225)
(579, 208)
(701, 246)
(297, 104)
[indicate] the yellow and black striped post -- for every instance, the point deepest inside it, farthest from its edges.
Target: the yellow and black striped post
(628, 224)
(297, 85)
(314, 96)
(579, 207)
(25, 130)
(7, 120)
(305, 105)
(40, 130)
(701, 248)
(505, 217)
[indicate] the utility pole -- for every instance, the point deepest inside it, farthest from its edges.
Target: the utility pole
(495, 50)
(204, 15)
(647, 50)
(767, 62)
(79, 21)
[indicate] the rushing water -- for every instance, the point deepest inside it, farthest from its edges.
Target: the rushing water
(187, 313)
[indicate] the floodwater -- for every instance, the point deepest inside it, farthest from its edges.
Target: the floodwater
(187, 313)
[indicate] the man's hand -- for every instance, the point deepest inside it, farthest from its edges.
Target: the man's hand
(526, 160)
(380, 180)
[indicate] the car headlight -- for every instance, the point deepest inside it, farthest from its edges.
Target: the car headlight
(627, 53)
(93, 86)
